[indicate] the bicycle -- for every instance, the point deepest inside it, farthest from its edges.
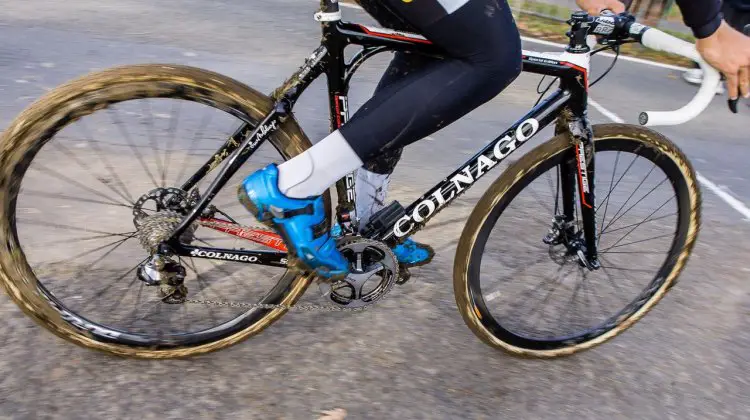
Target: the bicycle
(167, 219)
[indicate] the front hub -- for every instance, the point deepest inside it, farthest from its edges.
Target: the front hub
(567, 244)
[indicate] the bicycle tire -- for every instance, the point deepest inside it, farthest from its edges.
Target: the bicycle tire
(73, 100)
(510, 183)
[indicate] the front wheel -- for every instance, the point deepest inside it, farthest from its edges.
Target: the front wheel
(514, 252)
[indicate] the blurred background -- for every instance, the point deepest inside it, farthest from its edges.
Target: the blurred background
(411, 356)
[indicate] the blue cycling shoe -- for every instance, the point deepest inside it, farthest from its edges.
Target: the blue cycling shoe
(409, 253)
(300, 222)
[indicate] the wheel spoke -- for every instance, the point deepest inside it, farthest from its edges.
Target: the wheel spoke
(67, 227)
(198, 134)
(116, 244)
(606, 203)
(44, 194)
(57, 175)
(637, 242)
(152, 141)
(637, 202)
(129, 140)
(173, 123)
(102, 156)
(639, 224)
(615, 218)
(124, 194)
(88, 238)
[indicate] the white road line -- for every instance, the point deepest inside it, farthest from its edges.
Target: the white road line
(718, 190)
(605, 112)
(724, 195)
(554, 44)
(351, 6)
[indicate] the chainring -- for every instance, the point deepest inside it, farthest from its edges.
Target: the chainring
(374, 270)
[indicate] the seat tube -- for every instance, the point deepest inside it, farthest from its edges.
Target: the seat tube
(330, 16)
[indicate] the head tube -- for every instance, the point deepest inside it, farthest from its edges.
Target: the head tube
(329, 6)
(329, 11)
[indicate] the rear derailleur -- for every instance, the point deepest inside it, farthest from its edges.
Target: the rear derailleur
(168, 275)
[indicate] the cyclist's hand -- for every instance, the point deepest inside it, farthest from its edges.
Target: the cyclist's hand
(595, 7)
(728, 51)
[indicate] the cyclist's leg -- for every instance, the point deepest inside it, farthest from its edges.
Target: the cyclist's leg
(373, 178)
(484, 56)
(385, 16)
(483, 41)
(484, 45)
(381, 166)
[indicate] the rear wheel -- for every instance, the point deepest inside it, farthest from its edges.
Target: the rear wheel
(85, 162)
(648, 217)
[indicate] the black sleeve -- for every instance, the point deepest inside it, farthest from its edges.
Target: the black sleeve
(702, 16)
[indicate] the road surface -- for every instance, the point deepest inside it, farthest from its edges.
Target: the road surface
(412, 357)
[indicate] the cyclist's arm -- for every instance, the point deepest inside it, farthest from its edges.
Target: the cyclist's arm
(724, 48)
(721, 46)
(702, 16)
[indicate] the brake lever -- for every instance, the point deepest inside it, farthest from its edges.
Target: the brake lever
(733, 102)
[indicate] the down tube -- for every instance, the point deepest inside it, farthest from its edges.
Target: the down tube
(431, 203)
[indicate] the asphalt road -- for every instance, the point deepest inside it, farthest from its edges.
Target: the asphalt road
(411, 357)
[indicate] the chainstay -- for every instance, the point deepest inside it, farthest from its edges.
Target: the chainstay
(299, 308)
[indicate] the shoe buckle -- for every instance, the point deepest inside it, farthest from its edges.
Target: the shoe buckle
(280, 213)
(276, 212)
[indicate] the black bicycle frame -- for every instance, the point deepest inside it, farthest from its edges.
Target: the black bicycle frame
(567, 106)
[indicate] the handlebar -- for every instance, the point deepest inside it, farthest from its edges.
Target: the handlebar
(621, 27)
(658, 40)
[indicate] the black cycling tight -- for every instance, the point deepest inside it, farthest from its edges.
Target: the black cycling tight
(418, 96)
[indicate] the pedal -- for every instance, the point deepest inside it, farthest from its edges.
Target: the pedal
(404, 276)
(384, 218)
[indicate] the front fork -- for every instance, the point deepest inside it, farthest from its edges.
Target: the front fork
(578, 171)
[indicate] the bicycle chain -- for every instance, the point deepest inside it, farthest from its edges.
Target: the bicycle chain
(301, 308)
